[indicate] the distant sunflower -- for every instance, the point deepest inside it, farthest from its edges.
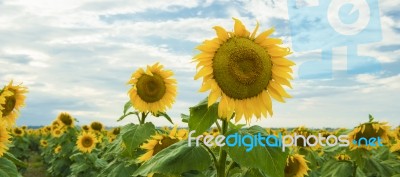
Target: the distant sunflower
(342, 157)
(4, 138)
(57, 132)
(86, 142)
(244, 71)
(152, 90)
(96, 126)
(43, 143)
(296, 166)
(57, 149)
(85, 128)
(395, 147)
(113, 134)
(66, 119)
(369, 130)
(12, 98)
(159, 142)
(18, 132)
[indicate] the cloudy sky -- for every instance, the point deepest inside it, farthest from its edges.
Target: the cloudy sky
(77, 56)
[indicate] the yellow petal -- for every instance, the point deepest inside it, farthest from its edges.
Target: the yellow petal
(221, 33)
(281, 74)
(213, 97)
(240, 29)
(267, 101)
(205, 86)
(274, 94)
(282, 61)
(203, 72)
(283, 81)
(255, 31)
(148, 71)
(270, 41)
(279, 89)
(261, 37)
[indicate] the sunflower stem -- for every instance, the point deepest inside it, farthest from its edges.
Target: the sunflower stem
(212, 154)
(230, 167)
(222, 152)
(143, 119)
(218, 126)
(355, 169)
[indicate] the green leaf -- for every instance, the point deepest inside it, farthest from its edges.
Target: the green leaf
(165, 115)
(121, 170)
(202, 117)
(128, 114)
(7, 168)
(235, 127)
(176, 159)
(375, 167)
(371, 118)
(185, 118)
(252, 173)
(134, 135)
(335, 168)
(270, 160)
(15, 160)
(127, 105)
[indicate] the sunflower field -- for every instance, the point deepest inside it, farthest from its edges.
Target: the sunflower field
(243, 72)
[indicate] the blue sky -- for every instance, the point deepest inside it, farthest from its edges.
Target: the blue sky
(76, 56)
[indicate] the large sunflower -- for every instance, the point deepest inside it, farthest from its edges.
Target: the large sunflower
(159, 142)
(11, 103)
(4, 138)
(86, 142)
(369, 130)
(244, 71)
(296, 166)
(153, 90)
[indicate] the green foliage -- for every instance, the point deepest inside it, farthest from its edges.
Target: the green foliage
(8, 168)
(202, 117)
(134, 135)
(176, 159)
(269, 160)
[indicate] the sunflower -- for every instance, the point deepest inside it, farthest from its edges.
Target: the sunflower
(4, 138)
(43, 143)
(153, 90)
(296, 166)
(57, 149)
(12, 98)
(244, 70)
(395, 147)
(159, 142)
(214, 131)
(86, 142)
(342, 157)
(57, 132)
(85, 128)
(18, 132)
(96, 126)
(113, 134)
(369, 130)
(66, 119)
